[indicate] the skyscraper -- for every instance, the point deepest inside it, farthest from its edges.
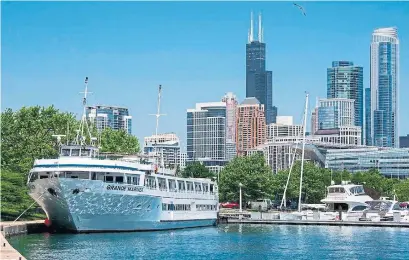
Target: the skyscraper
(251, 126)
(109, 116)
(259, 81)
(335, 113)
(231, 105)
(206, 134)
(384, 87)
(367, 138)
(344, 80)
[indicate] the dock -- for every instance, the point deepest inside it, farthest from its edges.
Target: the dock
(275, 218)
(9, 229)
(320, 223)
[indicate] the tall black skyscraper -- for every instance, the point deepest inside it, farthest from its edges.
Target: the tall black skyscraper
(259, 81)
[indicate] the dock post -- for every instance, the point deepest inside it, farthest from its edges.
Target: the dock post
(396, 216)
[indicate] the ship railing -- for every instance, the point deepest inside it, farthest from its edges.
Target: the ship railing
(336, 197)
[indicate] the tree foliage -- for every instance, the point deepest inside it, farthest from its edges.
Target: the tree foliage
(15, 198)
(118, 141)
(26, 135)
(402, 190)
(196, 170)
(252, 172)
(315, 182)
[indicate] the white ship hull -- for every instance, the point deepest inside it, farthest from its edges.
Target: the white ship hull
(95, 206)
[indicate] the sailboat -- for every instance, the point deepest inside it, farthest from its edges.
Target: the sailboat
(298, 215)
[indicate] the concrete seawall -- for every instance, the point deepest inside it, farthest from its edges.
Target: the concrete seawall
(9, 229)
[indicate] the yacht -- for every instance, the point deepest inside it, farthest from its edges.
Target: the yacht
(385, 209)
(345, 197)
(82, 191)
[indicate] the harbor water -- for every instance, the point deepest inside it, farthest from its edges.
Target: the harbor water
(238, 241)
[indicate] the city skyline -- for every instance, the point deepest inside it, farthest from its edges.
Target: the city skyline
(125, 71)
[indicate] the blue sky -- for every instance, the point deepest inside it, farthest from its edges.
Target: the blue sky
(196, 50)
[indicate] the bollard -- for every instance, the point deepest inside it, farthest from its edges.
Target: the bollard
(396, 216)
(4, 244)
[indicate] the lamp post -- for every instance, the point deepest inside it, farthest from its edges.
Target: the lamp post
(241, 209)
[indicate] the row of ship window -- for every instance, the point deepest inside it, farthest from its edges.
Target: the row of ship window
(151, 182)
(187, 207)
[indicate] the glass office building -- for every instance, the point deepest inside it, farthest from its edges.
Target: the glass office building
(384, 87)
(391, 162)
(368, 120)
(110, 116)
(344, 80)
(335, 113)
(206, 134)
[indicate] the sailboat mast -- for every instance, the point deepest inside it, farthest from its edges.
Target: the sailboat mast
(303, 148)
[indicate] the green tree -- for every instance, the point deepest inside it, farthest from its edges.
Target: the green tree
(118, 141)
(15, 198)
(196, 170)
(375, 180)
(402, 190)
(315, 182)
(26, 135)
(255, 175)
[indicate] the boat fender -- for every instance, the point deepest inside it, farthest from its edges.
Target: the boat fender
(47, 222)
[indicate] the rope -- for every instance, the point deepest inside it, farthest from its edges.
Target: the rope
(28, 208)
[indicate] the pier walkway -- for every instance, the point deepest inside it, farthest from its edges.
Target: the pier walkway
(8, 228)
(321, 223)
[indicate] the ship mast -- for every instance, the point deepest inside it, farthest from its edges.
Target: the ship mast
(158, 114)
(80, 138)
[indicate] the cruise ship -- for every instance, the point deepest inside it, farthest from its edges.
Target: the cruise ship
(81, 191)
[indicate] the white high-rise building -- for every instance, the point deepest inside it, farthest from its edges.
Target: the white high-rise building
(284, 120)
(283, 128)
(231, 106)
(166, 146)
(384, 86)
